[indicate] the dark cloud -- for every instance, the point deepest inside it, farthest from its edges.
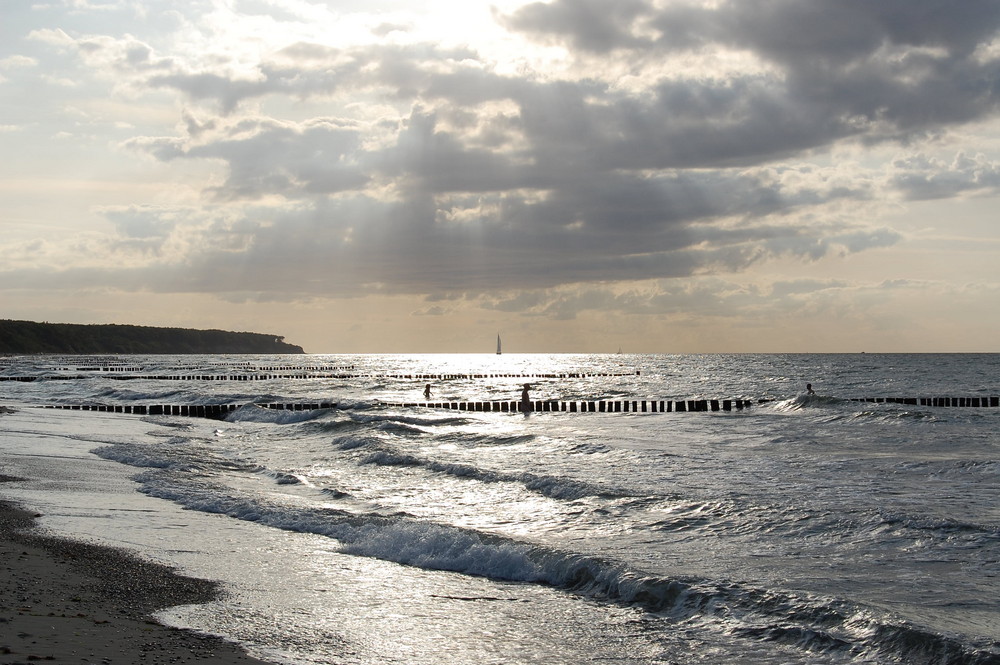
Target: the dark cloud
(441, 161)
(451, 178)
(787, 31)
(589, 24)
(920, 177)
(309, 70)
(846, 68)
(229, 92)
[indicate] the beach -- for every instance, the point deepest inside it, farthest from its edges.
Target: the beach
(72, 602)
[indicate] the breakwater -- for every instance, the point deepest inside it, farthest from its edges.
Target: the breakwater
(220, 411)
(589, 406)
(214, 411)
(128, 375)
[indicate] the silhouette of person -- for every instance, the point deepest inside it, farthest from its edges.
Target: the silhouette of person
(525, 399)
(809, 389)
(427, 391)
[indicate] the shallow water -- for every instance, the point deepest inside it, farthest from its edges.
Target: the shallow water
(807, 529)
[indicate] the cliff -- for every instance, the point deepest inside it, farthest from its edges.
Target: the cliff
(32, 337)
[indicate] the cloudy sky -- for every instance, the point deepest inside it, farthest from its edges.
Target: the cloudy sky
(578, 175)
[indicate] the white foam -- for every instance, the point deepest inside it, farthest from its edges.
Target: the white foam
(257, 414)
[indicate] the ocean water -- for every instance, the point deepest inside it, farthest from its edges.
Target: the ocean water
(804, 529)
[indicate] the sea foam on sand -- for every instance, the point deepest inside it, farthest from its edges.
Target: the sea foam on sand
(68, 601)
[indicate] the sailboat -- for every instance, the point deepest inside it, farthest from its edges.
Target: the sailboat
(498, 344)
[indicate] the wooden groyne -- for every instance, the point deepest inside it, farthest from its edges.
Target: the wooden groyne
(679, 406)
(130, 376)
(220, 411)
(213, 411)
(993, 401)
(589, 406)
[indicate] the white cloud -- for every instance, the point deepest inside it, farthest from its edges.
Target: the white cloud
(922, 177)
(543, 166)
(17, 62)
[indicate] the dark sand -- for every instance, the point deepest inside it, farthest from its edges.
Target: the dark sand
(68, 602)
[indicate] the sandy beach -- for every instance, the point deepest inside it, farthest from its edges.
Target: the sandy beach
(68, 602)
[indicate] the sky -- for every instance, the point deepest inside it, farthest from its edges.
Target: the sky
(380, 176)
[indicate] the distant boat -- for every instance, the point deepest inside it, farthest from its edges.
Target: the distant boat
(498, 344)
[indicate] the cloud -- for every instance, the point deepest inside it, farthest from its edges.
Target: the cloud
(308, 69)
(52, 36)
(590, 25)
(343, 169)
(785, 30)
(839, 69)
(17, 62)
(920, 177)
(702, 297)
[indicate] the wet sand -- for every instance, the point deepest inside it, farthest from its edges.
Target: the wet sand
(68, 602)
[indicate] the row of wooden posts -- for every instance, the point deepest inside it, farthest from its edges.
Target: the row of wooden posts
(220, 411)
(263, 368)
(691, 405)
(594, 406)
(214, 411)
(310, 375)
(993, 401)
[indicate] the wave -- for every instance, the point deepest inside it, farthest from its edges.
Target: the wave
(467, 440)
(805, 622)
(252, 413)
(917, 527)
(144, 457)
(395, 427)
(804, 401)
(831, 409)
(554, 487)
(897, 413)
(825, 532)
(174, 456)
(419, 421)
(348, 442)
(281, 477)
(963, 469)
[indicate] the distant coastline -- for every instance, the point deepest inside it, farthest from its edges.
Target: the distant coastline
(24, 337)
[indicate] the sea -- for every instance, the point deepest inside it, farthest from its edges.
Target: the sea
(366, 528)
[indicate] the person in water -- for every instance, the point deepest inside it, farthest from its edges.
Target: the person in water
(809, 389)
(525, 398)
(427, 391)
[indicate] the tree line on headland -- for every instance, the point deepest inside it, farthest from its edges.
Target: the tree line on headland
(71, 338)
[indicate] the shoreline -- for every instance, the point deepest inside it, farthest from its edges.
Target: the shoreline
(66, 601)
